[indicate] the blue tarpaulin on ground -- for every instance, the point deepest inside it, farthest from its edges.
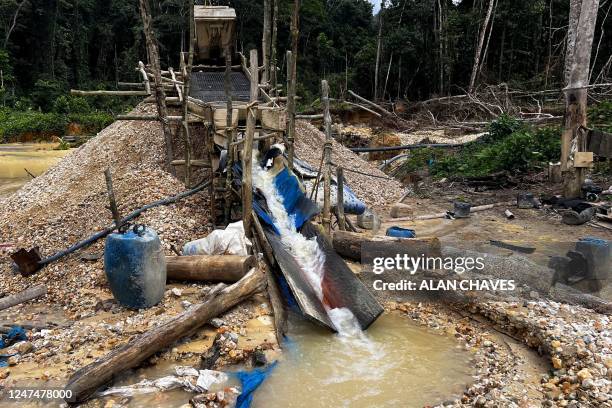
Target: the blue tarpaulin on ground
(250, 381)
(15, 334)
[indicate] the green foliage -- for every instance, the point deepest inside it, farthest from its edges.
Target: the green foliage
(600, 116)
(510, 146)
(92, 122)
(67, 104)
(63, 145)
(15, 123)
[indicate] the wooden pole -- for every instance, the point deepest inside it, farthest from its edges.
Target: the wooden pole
(327, 150)
(273, 50)
(290, 109)
(247, 152)
(229, 135)
(88, 379)
(266, 39)
(211, 268)
(23, 296)
(160, 93)
(111, 197)
(186, 90)
(340, 202)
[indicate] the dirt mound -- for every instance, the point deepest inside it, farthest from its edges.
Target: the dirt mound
(373, 186)
(68, 203)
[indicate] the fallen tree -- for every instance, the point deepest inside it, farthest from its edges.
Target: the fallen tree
(88, 379)
(212, 268)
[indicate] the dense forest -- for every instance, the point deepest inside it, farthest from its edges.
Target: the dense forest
(419, 48)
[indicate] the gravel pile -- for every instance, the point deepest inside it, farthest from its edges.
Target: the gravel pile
(68, 203)
(378, 191)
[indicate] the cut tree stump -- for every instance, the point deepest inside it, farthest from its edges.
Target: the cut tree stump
(349, 245)
(212, 268)
(88, 379)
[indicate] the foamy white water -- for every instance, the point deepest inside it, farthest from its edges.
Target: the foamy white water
(306, 251)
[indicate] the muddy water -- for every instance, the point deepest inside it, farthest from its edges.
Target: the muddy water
(404, 365)
(15, 158)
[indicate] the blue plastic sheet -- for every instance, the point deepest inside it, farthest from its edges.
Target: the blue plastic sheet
(15, 334)
(250, 381)
(399, 232)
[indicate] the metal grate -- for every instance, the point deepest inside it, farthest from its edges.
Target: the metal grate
(209, 86)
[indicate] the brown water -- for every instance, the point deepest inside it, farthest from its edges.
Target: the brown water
(16, 157)
(398, 364)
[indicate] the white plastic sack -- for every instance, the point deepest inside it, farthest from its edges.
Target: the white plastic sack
(230, 241)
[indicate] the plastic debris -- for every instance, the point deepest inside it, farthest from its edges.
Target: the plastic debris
(230, 241)
(251, 380)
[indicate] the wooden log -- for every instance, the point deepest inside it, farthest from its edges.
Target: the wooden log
(194, 163)
(372, 104)
(340, 200)
(78, 92)
(23, 296)
(88, 379)
(310, 117)
(349, 245)
(212, 268)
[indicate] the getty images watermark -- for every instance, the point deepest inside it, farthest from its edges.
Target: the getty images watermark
(409, 266)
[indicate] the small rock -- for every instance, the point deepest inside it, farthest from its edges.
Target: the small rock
(13, 360)
(217, 323)
(557, 363)
(584, 374)
(176, 292)
(24, 347)
(259, 358)
(4, 372)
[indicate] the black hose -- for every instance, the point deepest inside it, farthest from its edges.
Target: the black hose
(130, 216)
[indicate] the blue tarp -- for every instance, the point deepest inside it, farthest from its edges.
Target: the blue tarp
(250, 381)
(15, 334)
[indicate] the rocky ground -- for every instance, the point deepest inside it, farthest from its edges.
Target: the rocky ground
(78, 321)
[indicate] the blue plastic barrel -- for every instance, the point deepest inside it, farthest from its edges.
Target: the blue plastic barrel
(135, 267)
(399, 232)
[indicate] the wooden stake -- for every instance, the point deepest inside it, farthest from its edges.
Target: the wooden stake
(185, 99)
(247, 151)
(160, 93)
(290, 109)
(88, 379)
(111, 197)
(340, 202)
(327, 153)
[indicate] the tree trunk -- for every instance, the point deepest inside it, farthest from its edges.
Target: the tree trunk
(88, 379)
(211, 268)
(266, 39)
(577, 76)
(273, 50)
(378, 51)
(290, 108)
(10, 29)
(477, 56)
(160, 93)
